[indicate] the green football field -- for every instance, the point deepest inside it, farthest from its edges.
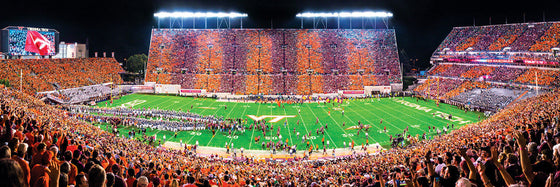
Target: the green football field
(395, 114)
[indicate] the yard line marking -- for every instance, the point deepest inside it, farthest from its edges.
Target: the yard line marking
(321, 124)
(233, 134)
(215, 115)
(373, 124)
(337, 124)
(288, 126)
(399, 119)
(253, 133)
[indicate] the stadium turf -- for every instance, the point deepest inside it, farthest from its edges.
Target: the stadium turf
(395, 114)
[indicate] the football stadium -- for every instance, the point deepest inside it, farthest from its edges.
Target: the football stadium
(322, 98)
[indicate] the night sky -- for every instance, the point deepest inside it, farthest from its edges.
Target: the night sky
(124, 26)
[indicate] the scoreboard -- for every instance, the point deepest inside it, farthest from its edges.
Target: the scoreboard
(28, 41)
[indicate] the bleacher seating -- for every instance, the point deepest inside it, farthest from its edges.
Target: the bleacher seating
(517, 142)
(540, 77)
(486, 58)
(455, 79)
(273, 61)
(49, 74)
(520, 37)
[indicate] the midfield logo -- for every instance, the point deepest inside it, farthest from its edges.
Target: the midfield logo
(133, 103)
(276, 118)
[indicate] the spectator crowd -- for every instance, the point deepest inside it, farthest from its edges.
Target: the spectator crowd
(273, 61)
(455, 82)
(536, 37)
(47, 147)
(41, 75)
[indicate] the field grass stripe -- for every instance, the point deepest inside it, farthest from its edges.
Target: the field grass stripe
(377, 116)
(321, 124)
(417, 119)
(187, 104)
(214, 114)
(288, 125)
(407, 110)
(337, 124)
(253, 133)
(233, 134)
(433, 108)
(152, 100)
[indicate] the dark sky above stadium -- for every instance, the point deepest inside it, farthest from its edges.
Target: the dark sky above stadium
(124, 26)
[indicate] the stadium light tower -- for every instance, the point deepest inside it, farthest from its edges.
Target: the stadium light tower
(224, 17)
(323, 16)
(367, 14)
(199, 15)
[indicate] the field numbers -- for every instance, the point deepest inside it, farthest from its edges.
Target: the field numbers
(270, 138)
(208, 108)
(195, 133)
(276, 118)
(232, 137)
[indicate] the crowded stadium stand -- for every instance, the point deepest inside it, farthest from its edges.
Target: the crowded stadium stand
(488, 67)
(83, 95)
(273, 61)
(519, 43)
(516, 145)
(509, 69)
(40, 75)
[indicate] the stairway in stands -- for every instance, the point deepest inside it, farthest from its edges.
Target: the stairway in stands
(516, 99)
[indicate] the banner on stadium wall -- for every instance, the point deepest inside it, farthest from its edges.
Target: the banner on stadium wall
(381, 89)
(505, 61)
(191, 92)
(152, 84)
(353, 92)
(142, 89)
(167, 88)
